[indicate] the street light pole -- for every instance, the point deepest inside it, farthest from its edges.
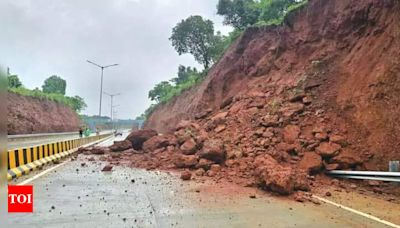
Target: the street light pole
(101, 83)
(112, 99)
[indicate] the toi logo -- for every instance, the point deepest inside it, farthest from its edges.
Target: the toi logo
(20, 199)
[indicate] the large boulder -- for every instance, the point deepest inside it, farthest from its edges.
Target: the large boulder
(155, 143)
(279, 179)
(213, 149)
(347, 159)
(311, 162)
(189, 147)
(301, 181)
(275, 177)
(121, 146)
(186, 161)
(137, 138)
(328, 150)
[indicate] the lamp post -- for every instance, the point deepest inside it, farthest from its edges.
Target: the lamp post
(112, 99)
(101, 83)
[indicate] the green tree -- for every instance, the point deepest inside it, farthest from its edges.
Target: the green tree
(184, 73)
(77, 103)
(160, 90)
(273, 11)
(239, 13)
(54, 84)
(195, 36)
(13, 81)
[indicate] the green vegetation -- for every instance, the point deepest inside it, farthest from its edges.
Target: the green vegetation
(245, 13)
(54, 84)
(55, 90)
(196, 36)
(186, 78)
(13, 81)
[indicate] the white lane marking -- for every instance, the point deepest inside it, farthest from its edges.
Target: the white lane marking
(357, 212)
(41, 174)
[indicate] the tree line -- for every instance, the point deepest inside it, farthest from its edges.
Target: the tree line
(197, 36)
(53, 89)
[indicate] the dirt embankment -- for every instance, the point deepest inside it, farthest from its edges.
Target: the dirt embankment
(339, 60)
(28, 115)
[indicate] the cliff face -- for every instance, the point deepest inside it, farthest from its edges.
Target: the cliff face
(344, 54)
(28, 115)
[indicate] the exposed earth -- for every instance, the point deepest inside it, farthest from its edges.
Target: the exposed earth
(285, 103)
(29, 115)
(332, 67)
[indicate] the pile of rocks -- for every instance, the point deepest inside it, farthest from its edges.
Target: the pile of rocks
(276, 140)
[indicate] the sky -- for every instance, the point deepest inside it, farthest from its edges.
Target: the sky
(41, 38)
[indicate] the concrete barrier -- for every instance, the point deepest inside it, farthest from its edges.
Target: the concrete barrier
(23, 160)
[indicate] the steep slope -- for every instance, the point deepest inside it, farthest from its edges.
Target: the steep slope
(343, 56)
(28, 115)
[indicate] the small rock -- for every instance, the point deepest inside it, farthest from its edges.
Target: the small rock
(107, 168)
(328, 194)
(186, 175)
(291, 133)
(200, 172)
(373, 183)
(315, 201)
(321, 136)
(328, 150)
(215, 168)
(220, 128)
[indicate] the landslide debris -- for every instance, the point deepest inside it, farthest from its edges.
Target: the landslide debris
(340, 57)
(286, 103)
(278, 149)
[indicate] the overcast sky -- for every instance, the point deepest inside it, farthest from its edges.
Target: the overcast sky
(40, 38)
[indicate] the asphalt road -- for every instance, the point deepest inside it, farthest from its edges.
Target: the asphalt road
(41, 141)
(82, 196)
(29, 142)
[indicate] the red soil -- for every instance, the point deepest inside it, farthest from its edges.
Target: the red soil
(344, 55)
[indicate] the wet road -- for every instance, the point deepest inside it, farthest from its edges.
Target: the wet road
(29, 142)
(81, 196)
(40, 141)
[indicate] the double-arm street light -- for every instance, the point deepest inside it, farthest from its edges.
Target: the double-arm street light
(112, 99)
(101, 84)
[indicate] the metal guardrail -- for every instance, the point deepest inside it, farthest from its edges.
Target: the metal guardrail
(366, 175)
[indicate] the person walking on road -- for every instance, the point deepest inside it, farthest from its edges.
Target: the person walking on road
(80, 132)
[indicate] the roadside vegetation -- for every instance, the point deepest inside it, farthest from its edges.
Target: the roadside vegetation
(196, 36)
(53, 89)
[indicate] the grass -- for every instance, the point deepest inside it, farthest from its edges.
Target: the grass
(58, 98)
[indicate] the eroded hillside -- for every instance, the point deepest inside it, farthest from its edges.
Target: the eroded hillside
(28, 115)
(329, 75)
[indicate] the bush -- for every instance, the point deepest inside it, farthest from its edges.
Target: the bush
(76, 103)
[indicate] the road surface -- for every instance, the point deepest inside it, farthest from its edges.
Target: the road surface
(29, 142)
(82, 196)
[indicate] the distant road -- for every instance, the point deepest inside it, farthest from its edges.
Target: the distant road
(22, 141)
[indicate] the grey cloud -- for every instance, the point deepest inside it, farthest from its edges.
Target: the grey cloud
(45, 37)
